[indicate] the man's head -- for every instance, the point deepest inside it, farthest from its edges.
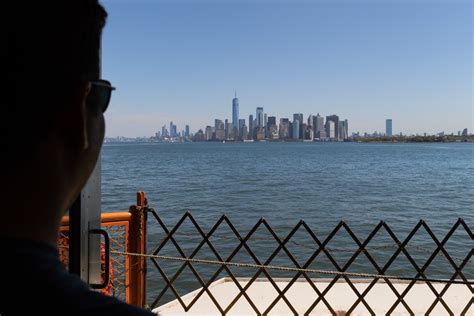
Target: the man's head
(52, 126)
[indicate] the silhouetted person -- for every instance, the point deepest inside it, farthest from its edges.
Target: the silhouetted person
(52, 130)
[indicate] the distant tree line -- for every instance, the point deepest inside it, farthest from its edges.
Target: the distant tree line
(418, 139)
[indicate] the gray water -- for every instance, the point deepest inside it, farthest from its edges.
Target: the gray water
(322, 183)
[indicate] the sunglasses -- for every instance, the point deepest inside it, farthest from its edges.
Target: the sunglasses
(99, 95)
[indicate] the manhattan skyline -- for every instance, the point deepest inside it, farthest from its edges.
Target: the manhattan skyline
(366, 61)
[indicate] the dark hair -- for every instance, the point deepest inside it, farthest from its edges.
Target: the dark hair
(51, 46)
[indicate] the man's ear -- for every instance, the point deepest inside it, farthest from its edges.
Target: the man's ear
(77, 116)
(85, 134)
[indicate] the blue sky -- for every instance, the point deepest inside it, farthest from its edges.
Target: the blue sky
(366, 61)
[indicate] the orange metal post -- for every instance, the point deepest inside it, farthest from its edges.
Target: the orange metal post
(137, 244)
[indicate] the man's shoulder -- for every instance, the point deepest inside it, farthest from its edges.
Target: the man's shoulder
(60, 294)
(95, 303)
(34, 279)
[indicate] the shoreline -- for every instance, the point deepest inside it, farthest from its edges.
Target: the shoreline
(403, 140)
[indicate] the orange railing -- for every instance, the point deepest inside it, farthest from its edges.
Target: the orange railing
(127, 231)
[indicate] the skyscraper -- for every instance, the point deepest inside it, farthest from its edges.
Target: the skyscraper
(335, 119)
(186, 132)
(284, 128)
(272, 128)
(265, 124)
(251, 127)
(296, 129)
(173, 130)
(298, 117)
(218, 124)
(343, 130)
(164, 131)
(235, 111)
(388, 127)
(244, 134)
(318, 124)
(241, 128)
(271, 121)
(331, 129)
(226, 127)
(219, 129)
(232, 130)
(259, 116)
(208, 134)
(241, 123)
(310, 119)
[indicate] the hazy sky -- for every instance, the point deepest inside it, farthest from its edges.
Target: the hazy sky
(366, 61)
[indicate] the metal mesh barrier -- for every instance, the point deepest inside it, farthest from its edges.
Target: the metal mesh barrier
(118, 233)
(127, 231)
(119, 264)
(189, 257)
(186, 258)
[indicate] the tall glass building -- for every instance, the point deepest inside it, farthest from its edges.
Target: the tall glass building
(335, 119)
(296, 129)
(318, 124)
(241, 123)
(259, 116)
(235, 111)
(388, 127)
